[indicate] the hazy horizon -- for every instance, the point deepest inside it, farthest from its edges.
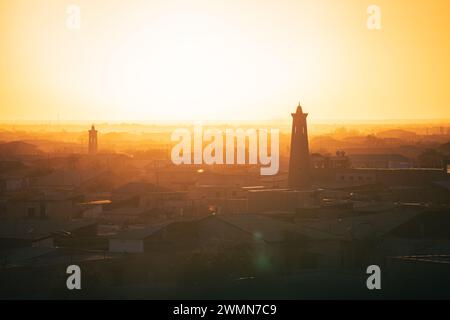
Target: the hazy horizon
(185, 122)
(164, 61)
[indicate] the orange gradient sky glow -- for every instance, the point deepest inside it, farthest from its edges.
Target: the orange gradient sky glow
(223, 60)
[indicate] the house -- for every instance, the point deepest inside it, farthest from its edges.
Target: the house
(125, 214)
(58, 178)
(40, 273)
(271, 244)
(363, 226)
(274, 243)
(204, 232)
(388, 161)
(42, 205)
(427, 232)
(134, 189)
(365, 238)
(16, 256)
(38, 233)
(25, 238)
(387, 177)
(219, 191)
(340, 160)
(264, 200)
(133, 241)
(149, 197)
(219, 198)
(94, 208)
(13, 176)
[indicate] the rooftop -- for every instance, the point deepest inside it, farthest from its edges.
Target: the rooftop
(140, 233)
(370, 225)
(39, 229)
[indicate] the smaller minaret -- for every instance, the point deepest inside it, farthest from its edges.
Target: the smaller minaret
(92, 140)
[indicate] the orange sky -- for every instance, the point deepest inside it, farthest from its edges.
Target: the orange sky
(224, 60)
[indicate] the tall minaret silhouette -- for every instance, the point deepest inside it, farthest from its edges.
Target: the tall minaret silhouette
(299, 168)
(92, 140)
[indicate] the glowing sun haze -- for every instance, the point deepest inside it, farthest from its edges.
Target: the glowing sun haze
(223, 60)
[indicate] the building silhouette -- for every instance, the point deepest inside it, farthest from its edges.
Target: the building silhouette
(299, 166)
(92, 140)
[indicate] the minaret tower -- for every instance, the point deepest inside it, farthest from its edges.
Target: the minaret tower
(92, 140)
(299, 167)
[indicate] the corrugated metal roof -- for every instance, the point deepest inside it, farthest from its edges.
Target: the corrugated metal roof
(365, 225)
(259, 227)
(35, 229)
(140, 233)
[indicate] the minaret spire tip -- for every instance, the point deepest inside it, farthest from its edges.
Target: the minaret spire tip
(299, 108)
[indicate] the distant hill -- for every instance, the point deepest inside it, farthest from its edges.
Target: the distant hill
(18, 148)
(325, 142)
(397, 133)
